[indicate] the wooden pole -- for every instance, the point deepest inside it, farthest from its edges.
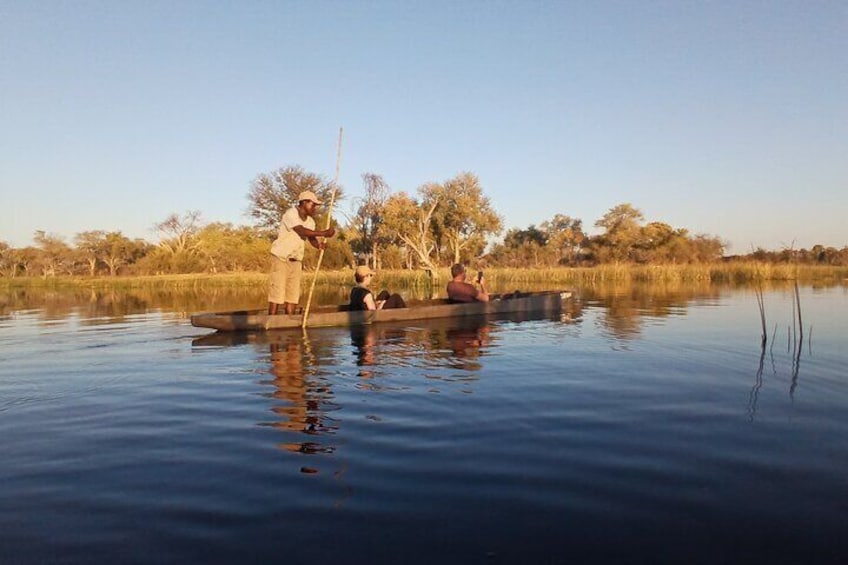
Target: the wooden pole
(329, 220)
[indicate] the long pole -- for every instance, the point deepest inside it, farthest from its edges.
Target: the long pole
(329, 219)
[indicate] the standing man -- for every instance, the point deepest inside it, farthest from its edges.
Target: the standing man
(296, 226)
(461, 291)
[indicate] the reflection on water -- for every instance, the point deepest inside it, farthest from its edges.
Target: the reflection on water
(627, 307)
(302, 365)
(306, 400)
(450, 441)
(105, 306)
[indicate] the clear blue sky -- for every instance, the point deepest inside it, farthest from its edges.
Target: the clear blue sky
(727, 118)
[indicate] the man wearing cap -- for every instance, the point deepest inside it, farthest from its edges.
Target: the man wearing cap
(361, 297)
(296, 226)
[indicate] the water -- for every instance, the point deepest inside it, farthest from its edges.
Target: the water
(638, 426)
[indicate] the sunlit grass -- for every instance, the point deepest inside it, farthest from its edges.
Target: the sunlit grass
(736, 273)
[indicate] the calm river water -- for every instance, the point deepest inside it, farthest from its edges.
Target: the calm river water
(640, 425)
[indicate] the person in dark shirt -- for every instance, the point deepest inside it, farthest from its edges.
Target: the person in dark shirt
(461, 291)
(361, 297)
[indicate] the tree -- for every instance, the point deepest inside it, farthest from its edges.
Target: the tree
(621, 224)
(177, 233)
(54, 253)
(368, 232)
(26, 258)
(520, 248)
(271, 194)
(409, 221)
(565, 236)
(232, 248)
(464, 218)
(119, 250)
(708, 248)
(91, 245)
(8, 261)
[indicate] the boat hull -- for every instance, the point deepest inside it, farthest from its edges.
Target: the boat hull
(336, 316)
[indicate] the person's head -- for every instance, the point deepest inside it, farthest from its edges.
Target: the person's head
(308, 202)
(363, 274)
(458, 270)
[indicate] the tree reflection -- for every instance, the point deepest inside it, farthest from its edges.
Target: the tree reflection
(626, 306)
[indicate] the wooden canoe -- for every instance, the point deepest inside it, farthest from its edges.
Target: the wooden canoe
(340, 316)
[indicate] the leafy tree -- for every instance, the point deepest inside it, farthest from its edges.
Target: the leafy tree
(119, 250)
(54, 253)
(708, 248)
(8, 262)
(621, 224)
(463, 217)
(27, 259)
(91, 246)
(232, 248)
(520, 248)
(565, 236)
(409, 222)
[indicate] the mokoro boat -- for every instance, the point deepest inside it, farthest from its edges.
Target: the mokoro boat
(340, 316)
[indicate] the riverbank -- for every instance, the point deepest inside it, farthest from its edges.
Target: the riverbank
(735, 273)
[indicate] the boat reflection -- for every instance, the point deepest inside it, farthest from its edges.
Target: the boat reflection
(305, 366)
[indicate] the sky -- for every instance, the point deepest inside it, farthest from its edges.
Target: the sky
(725, 118)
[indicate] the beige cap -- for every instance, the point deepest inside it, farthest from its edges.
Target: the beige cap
(363, 271)
(308, 195)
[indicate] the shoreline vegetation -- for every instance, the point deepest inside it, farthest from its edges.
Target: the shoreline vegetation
(719, 273)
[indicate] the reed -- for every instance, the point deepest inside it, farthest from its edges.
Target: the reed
(732, 273)
(758, 291)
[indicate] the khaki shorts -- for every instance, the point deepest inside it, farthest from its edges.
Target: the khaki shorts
(285, 281)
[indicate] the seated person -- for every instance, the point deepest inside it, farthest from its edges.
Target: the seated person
(361, 297)
(461, 291)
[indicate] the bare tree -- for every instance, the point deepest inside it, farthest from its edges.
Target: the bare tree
(368, 220)
(177, 233)
(271, 194)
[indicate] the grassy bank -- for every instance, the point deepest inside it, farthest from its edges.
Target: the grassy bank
(737, 273)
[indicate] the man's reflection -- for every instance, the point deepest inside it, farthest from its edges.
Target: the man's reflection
(364, 341)
(469, 343)
(302, 411)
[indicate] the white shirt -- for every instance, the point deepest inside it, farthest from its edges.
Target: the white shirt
(288, 244)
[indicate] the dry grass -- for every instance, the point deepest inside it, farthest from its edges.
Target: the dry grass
(733, 273)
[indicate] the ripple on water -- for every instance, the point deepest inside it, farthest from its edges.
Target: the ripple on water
(598, 438)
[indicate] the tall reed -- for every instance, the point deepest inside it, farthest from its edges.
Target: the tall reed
(736, 273)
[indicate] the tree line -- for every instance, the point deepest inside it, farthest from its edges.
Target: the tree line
(440, 224)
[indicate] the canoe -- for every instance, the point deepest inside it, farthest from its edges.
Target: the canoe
(340, 316)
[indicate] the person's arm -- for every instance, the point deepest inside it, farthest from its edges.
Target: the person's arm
(369, 302)
(307, 233)
(482, 294)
